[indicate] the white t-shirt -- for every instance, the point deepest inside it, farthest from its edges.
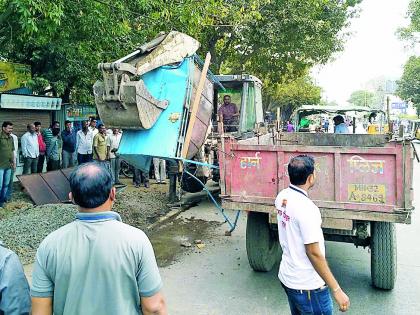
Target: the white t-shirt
(299, 223)
(113, 142)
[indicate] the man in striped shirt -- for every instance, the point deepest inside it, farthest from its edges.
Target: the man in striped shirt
(47, 133)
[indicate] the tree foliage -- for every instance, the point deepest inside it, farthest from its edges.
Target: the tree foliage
(409, 84)
(63, 41)
(292, 94)
(362, 98)
(412, 31)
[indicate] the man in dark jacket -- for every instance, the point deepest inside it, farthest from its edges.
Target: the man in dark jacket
(68, 136)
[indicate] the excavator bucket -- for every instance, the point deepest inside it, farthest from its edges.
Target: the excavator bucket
(122, 98)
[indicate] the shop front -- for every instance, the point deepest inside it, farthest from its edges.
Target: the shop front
(23, 109)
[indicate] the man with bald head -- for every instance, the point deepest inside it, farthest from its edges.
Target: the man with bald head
(96, 264)
(30, 150)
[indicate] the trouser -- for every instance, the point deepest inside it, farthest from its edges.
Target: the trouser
(160, 169)
(173, 172)
(68, 159)
(53, 165)
(84, 158)
(140, 177)
(40, 166)
(30, 165)
(310, 302)
(5, 174)
(10, 188)
(115, 169)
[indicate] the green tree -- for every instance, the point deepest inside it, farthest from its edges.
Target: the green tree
(291, 95)
(63, 41)
(409, 84)
(412, 31)
(362, 98)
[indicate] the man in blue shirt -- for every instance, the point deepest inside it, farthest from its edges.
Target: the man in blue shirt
(68, 136)
(339, 125)
(14, 288)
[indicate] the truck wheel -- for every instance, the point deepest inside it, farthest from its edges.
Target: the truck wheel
(262, 243)
(383, 259)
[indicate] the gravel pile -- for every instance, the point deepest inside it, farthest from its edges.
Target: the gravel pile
(23, 226)
(26, 228)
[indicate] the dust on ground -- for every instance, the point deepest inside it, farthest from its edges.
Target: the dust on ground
(23, 225)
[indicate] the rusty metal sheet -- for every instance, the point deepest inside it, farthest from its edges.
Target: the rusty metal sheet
(50, 187)
(67, 171)
(38, 189)
(58, 183)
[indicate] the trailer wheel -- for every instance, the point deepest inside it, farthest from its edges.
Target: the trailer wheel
(383, 246)
(262, 244)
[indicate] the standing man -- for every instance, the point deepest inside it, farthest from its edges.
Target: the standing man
(304, 271)
(326, 124)
(100, 145)
(96, 264)
(112, 147)
(47, 133)
(30, 150)
(160, 170)
(84, 142)
(53, 152)
(7, 162)
(68, 136)
(42, 147)
(15, 159)
(14, 288)
(229, 113)
(92, 127)
(290, 127)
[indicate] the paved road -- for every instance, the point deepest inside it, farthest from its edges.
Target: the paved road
(218, 279)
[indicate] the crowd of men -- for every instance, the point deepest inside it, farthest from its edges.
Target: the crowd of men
(52, 148)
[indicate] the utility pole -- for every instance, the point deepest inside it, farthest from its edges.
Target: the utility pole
(390, 125)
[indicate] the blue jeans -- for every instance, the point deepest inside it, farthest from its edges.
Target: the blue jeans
(310, 302)
(5, 174)
(10, 189)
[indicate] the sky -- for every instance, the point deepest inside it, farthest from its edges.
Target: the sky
(372, 50)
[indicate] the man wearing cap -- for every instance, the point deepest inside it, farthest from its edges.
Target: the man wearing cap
(96, 264)
(304, 271)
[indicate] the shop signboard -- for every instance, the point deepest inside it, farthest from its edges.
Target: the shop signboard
(13, 76)
(79, 112)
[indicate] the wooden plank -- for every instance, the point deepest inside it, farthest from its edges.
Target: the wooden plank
(397, 217)
(341, 224)
(329, 223)
(195, 105)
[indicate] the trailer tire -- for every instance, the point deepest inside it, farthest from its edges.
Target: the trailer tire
(383, 246)
(262, 244)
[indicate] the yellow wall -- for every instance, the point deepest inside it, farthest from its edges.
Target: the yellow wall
(13, 76)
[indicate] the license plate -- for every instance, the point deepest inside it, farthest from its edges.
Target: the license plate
(367, 193)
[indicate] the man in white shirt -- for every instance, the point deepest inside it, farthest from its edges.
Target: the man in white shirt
(84, 143)
(92, 127)
(30, 150)
(113, 142)
(304, 271)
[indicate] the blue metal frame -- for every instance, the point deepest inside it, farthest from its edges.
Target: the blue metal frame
(222, 211)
